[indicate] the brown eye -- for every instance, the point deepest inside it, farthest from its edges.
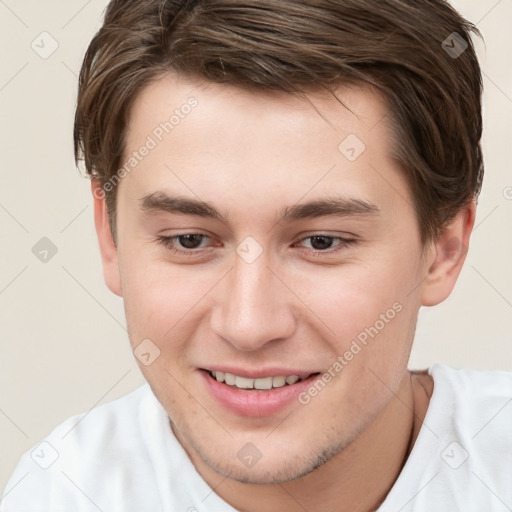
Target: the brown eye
(190, 241)
(321, 242)
(187, 244)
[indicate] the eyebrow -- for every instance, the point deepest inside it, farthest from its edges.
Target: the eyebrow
(337, 206)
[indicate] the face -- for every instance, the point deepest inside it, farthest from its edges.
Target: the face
(269, 244)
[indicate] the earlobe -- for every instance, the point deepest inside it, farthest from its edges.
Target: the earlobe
(108, 248)
(448, 253)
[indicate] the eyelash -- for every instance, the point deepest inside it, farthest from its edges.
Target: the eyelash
(169, 243)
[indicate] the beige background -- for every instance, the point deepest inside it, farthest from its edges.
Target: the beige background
(63, 344)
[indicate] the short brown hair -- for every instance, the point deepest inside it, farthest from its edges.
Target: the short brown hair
(417, 53)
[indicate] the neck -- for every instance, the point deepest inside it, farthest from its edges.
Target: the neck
(357, 479)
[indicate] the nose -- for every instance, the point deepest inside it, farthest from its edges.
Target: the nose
(254, 306)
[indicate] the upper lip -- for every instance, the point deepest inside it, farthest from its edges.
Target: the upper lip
(260, 373)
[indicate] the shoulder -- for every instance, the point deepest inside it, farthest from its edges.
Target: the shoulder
(483, 386)
(472, 417)
(472, 399)
(61, 471)
(108, 424)
(461, 457)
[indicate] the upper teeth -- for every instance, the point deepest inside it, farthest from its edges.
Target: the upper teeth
(245, 383)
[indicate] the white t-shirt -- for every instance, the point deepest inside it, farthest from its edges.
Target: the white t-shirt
(122, 456)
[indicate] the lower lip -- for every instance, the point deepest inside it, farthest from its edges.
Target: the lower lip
(256, 403)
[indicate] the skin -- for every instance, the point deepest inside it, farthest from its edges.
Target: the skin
(249, 155)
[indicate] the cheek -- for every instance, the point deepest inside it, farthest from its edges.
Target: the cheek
(159, 298)
(349, 299)
(371, 315)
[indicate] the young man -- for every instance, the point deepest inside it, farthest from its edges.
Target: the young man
(279, 187)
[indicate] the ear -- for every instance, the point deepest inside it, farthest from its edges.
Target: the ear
(108, 248)
(446, 256)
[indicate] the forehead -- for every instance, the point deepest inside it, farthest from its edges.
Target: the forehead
(219, 140)
(352, 109)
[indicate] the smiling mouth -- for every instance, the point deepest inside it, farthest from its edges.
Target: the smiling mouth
(262, 384)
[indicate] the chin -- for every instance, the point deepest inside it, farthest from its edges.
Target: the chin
(267, 473)
(278, 468)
